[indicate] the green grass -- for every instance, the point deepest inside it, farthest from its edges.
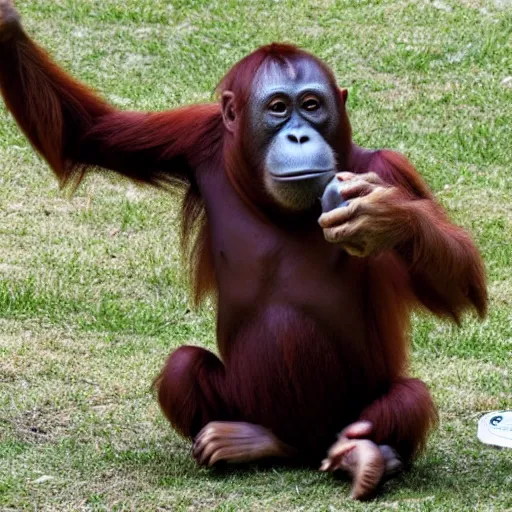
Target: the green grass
(91, 294)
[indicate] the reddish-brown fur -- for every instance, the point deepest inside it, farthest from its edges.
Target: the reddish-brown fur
(310, 338)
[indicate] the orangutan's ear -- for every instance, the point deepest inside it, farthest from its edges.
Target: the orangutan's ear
(229, 111)
(343, 95)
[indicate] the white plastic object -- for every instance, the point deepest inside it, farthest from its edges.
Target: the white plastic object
(496, 428)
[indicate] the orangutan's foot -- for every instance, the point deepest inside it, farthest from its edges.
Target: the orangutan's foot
(367, 463)
(236, 442)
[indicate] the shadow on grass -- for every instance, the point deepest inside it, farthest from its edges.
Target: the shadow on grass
(433, 475)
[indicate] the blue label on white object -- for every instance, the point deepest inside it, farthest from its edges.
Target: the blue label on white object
(496, 428)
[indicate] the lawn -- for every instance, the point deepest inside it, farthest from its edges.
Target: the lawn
(92, 298)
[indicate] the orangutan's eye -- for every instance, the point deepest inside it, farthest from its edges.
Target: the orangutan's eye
(310, 103)
(278, 107)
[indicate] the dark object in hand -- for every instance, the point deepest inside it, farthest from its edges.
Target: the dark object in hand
(332, 197)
